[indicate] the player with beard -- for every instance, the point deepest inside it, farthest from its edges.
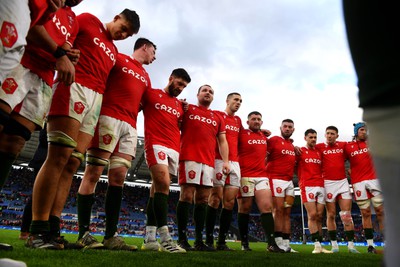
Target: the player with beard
(162, 117)
(254, 182)
(311, 183)
(365, 183)
(114, 143)
(73, 115)
(336, 187)
(202, 131)
(281, 162)
(225, 187)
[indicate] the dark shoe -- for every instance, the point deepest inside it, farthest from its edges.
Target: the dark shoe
(223, 247)
(67, 245)
(246, 247)
(118, 243)
(275, 249)
(371, 249)
(42, 242)
(4, 246)
(185, 245)
(203, 247)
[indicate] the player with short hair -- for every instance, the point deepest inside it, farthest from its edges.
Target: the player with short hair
(281, 161)
(202, 129)
(114, 143)
(162, 117)
(74, 112)
(311, 183)
(254, 182)
(225, 187)
(366, 187)
(336, 187)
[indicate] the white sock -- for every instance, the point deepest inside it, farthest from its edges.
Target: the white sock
(370, 242)
(151, 232)
(286, 243)
(350, 244)
(334, 244)
(317, 244)
(164, 233)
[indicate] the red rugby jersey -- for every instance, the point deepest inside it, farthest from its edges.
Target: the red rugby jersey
(98, 53)
(281, 158)
(252, 153)
(333, 160)
(200, 128)
(309, 168)
(127, 82)
(361, 163)
(162, 115)
(233, 125)
(62, 28)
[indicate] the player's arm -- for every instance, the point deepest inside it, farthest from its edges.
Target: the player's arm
(224, 151)
(64, 66)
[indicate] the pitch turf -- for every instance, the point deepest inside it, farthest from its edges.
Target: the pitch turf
(258, 257)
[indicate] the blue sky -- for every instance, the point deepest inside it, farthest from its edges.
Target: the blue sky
(287, 58)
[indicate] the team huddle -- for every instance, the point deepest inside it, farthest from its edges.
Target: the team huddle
(90, 111)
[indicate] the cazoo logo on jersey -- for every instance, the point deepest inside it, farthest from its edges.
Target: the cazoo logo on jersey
(202, 119)
(167, 109)
(135, 74)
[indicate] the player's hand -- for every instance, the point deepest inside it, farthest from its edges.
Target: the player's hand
(226, 169)
(185, 104)
(73, 55)
(266, 132)
(65, 70)
(297, 150)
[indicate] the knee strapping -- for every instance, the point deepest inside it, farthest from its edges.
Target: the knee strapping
(97, 161)
(116, 162)
(364, 204)
(78, 155)
(377, 201)
(13, 127)
(60, 138)
(346, 218)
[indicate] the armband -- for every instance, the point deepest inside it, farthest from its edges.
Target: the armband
(59, 52)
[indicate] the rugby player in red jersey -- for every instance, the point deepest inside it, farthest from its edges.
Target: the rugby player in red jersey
(16, 18)
(280, 170)
(336, 187)
(73, 115)
(225, 187)
(202, 131)
(311, 183)
(162, 117)
(26, 92)
(254, 182)
(114, 143)
(366, 187)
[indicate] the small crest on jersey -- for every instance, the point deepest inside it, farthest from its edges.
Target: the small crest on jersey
(107, 139)
(245, 189)
(9, 86)
(161, 155)
(358, 193)
(79, 107)
(8, 34)
(329, 195)
(192, 174)
(218, 176)
(160, 95)
(311, 196)
(279, 190)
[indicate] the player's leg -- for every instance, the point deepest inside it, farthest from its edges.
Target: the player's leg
(311, 208)
(287, 226)
(118, 168)
(96, 160)
(345, 216)
(228, 202)
(62, 133)
(278, 212)
(331, 224)
(214, 201)
(199, 214)
(244, 208)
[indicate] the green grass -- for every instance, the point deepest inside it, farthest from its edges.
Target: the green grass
(258, 257)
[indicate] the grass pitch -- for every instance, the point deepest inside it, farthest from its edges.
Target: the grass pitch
(258, 257)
